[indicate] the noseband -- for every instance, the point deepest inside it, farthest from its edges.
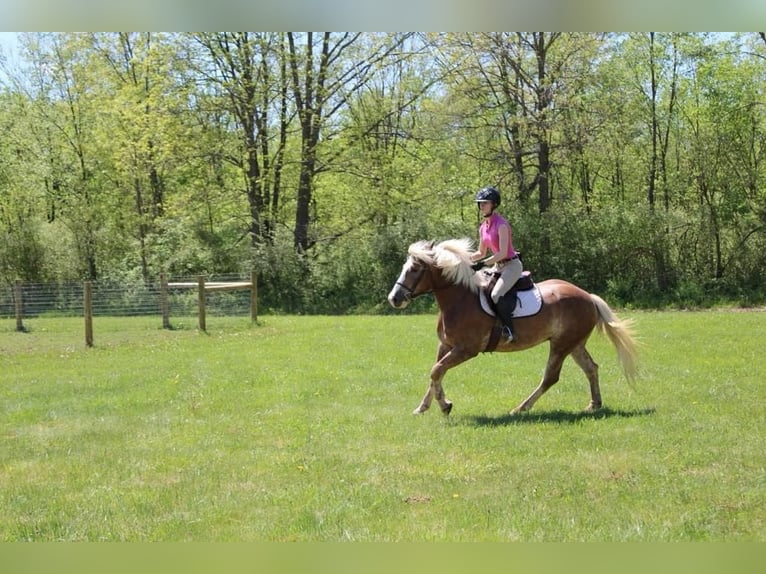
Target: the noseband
(409, 291)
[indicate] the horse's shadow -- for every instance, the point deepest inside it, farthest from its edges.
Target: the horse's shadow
(555, 416)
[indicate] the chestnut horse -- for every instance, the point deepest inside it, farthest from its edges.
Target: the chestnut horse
(567, 318)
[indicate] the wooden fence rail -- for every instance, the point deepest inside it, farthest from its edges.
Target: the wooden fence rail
(203, 287)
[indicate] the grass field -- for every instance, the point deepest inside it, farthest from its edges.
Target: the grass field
(299, 428)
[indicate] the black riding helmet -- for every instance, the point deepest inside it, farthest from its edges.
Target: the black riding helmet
(488, 194)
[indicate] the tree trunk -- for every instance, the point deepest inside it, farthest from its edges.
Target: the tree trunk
(309, 98)
(652, 177)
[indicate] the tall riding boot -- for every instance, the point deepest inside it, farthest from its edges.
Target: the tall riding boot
(504, 309)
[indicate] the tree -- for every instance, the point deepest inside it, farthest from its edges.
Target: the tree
(325, 72)
(248, 71)
(64, 118)
(519, 82)
(22, 251)
(137, 115)
(726, 121)
(632, 163)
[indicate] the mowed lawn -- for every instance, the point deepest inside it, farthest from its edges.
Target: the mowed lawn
(299, 428)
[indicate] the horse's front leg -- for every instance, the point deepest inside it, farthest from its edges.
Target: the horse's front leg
(435, 391)
(425, 404)
(447, 358)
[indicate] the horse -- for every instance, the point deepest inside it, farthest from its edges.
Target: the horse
(567, 317)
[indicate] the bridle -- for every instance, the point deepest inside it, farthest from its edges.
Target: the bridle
(409, 291)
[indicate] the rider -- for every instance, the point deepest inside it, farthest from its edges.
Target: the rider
(496, 236)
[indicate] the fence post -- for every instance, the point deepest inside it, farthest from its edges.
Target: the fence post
(201, 302)
(87, 303)
(253, 296)
(164, 306)
(19, 305)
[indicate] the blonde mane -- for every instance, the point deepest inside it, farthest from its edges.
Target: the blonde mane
(452, 256)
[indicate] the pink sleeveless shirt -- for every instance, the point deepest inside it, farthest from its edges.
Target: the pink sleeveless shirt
(491, 236)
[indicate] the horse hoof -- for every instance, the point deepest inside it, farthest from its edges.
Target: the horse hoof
(447, 409)
(419, 410)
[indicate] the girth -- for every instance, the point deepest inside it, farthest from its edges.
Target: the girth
(494, 337)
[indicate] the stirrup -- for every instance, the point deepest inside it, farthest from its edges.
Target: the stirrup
(507, 333)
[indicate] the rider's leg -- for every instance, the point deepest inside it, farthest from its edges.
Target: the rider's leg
(510, 273)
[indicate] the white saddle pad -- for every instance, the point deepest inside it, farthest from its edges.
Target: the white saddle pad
(527, 303)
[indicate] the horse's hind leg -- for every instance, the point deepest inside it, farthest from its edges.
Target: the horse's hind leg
(590, 368)
(550, 378)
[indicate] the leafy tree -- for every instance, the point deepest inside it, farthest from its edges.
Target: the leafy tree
(22, 252)
(726, 123)
(630, 163)
(325, 72)
(137, 128)
(246, 74)
(64, 117)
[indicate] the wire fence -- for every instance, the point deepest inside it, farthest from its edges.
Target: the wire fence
(121, 300)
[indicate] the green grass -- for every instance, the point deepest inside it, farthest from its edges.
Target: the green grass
(300, 429)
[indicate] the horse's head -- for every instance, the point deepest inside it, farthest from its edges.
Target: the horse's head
(414, 278)
(430, 267)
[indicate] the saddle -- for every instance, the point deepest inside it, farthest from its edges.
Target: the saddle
(525, 297)
(524, 293)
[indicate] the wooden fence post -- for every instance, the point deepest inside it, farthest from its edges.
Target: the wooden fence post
(201, 302)
(164, 306)
(253, 296)
(87, 303)
(18, 293)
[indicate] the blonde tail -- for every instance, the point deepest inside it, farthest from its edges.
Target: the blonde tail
(621, 334)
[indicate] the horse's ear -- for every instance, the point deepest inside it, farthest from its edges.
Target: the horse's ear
(430, 244)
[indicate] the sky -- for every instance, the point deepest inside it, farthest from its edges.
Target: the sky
(8, 44)
(8, 53)
(8, 39)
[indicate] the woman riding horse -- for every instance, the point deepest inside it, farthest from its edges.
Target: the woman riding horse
(496, 235)
(566, 319)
